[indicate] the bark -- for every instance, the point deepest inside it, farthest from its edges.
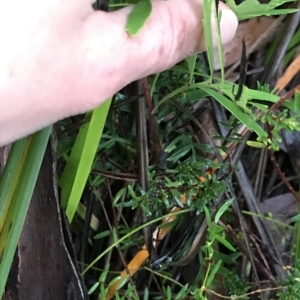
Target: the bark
(44, 266)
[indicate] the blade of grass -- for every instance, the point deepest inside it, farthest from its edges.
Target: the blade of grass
(16, 188)
(220, 49)
(207, 7)
(80, 161)
(9, 179)
(237, 112)
(191, 62)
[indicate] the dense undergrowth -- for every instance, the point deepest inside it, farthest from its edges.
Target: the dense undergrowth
(169, 146)
(181, 182)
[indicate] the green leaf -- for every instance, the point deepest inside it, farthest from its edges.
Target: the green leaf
(295, 218)
(169, 293)
(237, 112)
(169, 224)
(115, 235)
(182, 293)
(119, 194)
(175, 184)
(131, 192)
(103, 275)
(146, 209)
(80, 161)
(101, 235)
(256, 144)
(215, 230)
(220, 239)
(212, 274)
(263, 96)
(220, 46)
(297, 101)
(208, 218)
(138, 17)
(222, 209)
(180, 153)
(121, 283)
(253, 8)
(191, 61)
(93, 288)
(262, 107)
(146, 294)
(16, 188)
(207, 9)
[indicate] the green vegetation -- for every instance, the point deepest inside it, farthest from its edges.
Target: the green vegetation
(134, 198)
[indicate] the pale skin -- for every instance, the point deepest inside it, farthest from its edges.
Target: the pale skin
(60, 58)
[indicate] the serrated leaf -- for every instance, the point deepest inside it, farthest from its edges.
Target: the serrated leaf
(253, 8)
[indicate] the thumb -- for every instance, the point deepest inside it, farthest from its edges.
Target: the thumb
(228, 26)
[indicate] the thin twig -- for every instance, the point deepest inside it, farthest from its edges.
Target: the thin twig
(281, 101)
(152, 129)
(281, 174)
(269, 128)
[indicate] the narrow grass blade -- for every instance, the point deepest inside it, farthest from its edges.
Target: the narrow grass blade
(16, 188)
(81, 159)
(207, 9)
(237, 112)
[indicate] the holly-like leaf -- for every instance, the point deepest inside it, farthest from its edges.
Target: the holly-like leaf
(252, 8)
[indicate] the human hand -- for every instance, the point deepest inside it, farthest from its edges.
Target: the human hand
(61, 58)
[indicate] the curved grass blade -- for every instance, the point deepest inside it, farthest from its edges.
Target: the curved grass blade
(237, 112)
